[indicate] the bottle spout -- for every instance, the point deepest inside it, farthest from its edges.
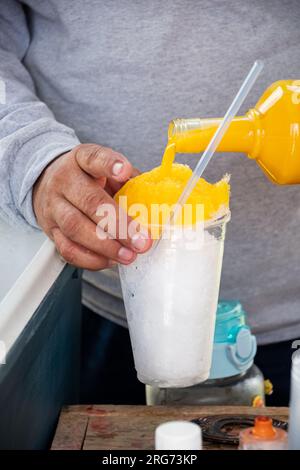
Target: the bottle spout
(193, 135)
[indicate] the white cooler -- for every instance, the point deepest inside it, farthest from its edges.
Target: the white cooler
(40, 319)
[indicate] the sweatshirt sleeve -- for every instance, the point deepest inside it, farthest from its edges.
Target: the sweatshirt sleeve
(30, 136)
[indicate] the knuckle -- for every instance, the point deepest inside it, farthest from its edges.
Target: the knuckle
(80, 150)
(110, 249)
(59, 174)
(46, 208)
(43, 208)
(91, 154)
(43, 217)
(92, 201)
(98, 266)
(70, 224)
(60, 171)
(98, 155)
(94, 157)
(68, 252)
(91, 157)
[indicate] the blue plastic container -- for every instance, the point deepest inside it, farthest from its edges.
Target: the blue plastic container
(234, 345)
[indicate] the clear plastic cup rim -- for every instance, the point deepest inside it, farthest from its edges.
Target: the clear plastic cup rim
(219, 220)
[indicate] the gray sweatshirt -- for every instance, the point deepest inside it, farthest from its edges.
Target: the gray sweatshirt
(115, 73)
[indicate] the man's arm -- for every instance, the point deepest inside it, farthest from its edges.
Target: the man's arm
(30, 137)
(46, 179)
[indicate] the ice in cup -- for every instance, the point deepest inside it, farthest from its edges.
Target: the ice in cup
(171, 292)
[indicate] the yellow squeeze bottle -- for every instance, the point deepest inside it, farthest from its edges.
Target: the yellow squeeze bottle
(268, 133)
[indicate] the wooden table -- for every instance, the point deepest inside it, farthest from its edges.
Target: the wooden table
(109, 427)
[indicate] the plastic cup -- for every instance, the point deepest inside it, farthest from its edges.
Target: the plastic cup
(171, 297)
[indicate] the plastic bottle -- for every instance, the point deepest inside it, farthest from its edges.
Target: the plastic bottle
(234, 379)
(268, 133)
(178, 435)
(263, 436)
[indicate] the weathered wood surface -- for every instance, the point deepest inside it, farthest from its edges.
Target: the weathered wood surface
(109, 427)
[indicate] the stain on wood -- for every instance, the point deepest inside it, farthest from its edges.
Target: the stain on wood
(109, 427)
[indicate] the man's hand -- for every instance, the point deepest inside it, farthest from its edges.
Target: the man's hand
(66, 198)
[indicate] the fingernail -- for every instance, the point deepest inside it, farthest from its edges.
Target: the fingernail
(117, 168)
(125, 254)
(139, 241)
